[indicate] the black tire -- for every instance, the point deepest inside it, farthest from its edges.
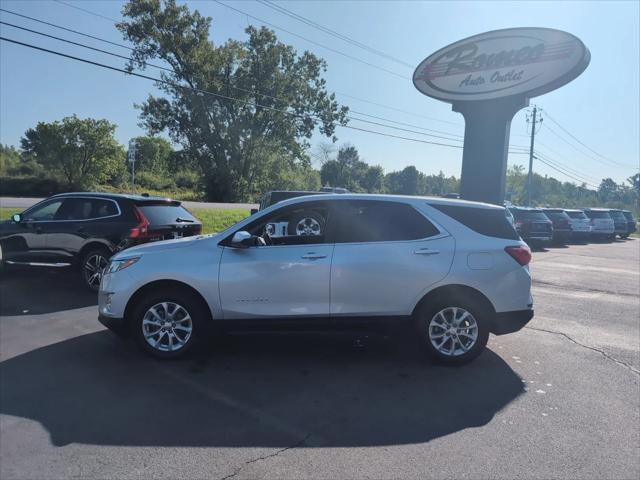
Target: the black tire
(426, 314)
(191, 303)
(312, 219)
(90, 267)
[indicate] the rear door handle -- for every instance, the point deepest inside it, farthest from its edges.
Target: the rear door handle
(313, 256)
(426, 251)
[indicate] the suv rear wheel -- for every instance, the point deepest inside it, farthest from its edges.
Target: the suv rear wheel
(453, 332)
(169, 323)
(93, 264)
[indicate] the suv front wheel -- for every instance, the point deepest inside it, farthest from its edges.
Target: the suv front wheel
(453, 332)
(168, 323)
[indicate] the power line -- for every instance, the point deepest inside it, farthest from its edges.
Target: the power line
(253, 92)
(131, 49)
(578, 173)
(314, 42)
(218, 95)
(582, 143)
(397, 109)
(558, 164)
(82, 45)
(586, 155)
(333, 33)
(66, 29)
(564, 173)
(86, 11)
(408, 124)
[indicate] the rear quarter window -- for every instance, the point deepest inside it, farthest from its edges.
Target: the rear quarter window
(491, 222)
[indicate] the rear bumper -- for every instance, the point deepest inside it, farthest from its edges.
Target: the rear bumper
(115, 324)
(509, 322)
(561, 235)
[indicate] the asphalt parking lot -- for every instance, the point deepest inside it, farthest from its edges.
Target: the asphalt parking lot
(560, 399)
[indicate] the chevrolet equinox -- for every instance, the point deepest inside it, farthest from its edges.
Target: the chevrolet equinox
(453, 270)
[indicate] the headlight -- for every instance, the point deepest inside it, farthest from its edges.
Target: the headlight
(117, 265)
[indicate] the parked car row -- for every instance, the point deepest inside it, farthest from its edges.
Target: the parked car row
(541, 226)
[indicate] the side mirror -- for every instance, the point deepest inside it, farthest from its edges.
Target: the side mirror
(243, 239)
(254, 211)
(17, 217)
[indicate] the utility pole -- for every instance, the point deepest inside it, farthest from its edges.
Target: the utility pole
(533, 137)
(131, 156)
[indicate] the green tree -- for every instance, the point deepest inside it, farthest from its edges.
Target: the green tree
(153, 154)
(348, 171)
(266, 98)
(608, 190)
(408, 181)
(9, 159)
(83, 151)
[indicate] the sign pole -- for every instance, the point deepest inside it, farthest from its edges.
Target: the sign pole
(486, 147)
(131, 156)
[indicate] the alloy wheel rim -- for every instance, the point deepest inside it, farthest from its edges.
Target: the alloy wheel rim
(308, 226)
(167, 326)
(93, 269)
(453, 331)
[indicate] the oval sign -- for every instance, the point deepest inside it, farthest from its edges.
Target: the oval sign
(502, 63)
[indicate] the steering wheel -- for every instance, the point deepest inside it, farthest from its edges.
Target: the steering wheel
(266, 238)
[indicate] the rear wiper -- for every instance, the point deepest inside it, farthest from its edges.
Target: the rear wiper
(179, 220)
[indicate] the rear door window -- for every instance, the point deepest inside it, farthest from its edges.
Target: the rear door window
(492, 222)
(374, 221)
(101, 208)
(166, 214)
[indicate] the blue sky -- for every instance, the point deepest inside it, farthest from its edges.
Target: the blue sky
(601, 107)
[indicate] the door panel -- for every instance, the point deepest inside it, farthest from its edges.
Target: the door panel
(386, 278)
(25, 243)
(275, 281)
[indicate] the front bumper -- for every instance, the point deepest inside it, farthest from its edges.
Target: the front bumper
(509, 322)
(115, 324)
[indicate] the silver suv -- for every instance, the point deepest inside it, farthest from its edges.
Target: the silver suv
(452, 270)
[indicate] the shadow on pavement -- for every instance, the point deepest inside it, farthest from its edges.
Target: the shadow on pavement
(252, 391)
(35, 291)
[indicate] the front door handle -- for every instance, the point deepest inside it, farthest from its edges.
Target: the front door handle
(426, 251)
(313, 256)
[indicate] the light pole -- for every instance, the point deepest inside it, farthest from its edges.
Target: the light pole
(131, 156)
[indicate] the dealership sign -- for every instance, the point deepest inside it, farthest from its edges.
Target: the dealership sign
(524, 62)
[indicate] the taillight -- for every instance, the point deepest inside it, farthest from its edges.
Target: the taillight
(519, 224)
(140, 231)
(520, 253)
